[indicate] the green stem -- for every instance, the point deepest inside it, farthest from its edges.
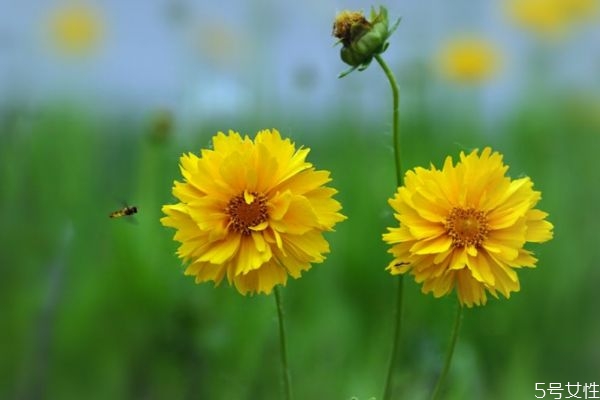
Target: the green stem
(448, 361)
(284, 362)
(387, 394)
(395, 116)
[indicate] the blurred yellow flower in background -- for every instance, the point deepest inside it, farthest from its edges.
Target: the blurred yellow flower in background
(76, 28)
(253, 211)
(550, 17)
(580, 9)
(465, 226)
(468, 60)
(218, 42)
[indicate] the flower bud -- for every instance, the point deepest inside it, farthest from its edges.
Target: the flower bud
(362, 39)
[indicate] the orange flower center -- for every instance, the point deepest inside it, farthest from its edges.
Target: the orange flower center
(245, 211)
(467, 227)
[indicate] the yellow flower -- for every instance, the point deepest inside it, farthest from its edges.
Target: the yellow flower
(465, 226)
(76, 28)
(469, 60)
(580, 9)
(550, 17)
(253, 211)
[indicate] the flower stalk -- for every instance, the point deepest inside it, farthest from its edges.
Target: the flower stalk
(362, 40)
(395, 116)
(394, 354)
(453, 339)
(287, 381)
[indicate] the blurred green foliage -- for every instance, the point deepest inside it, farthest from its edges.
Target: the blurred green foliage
(97, 308)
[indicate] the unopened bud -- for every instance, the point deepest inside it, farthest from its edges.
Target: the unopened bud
(362, 39)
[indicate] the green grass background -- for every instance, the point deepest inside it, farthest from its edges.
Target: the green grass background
(94, 308)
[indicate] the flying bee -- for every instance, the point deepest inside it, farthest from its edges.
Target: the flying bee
(125, 211)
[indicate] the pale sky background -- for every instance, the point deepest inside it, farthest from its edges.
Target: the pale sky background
(204, 58)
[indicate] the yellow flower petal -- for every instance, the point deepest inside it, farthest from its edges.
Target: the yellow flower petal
(251, 210)
(219, 252)
(464, 227)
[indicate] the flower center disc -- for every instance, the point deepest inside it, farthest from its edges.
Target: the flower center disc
(467, 227)
(246, 210)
